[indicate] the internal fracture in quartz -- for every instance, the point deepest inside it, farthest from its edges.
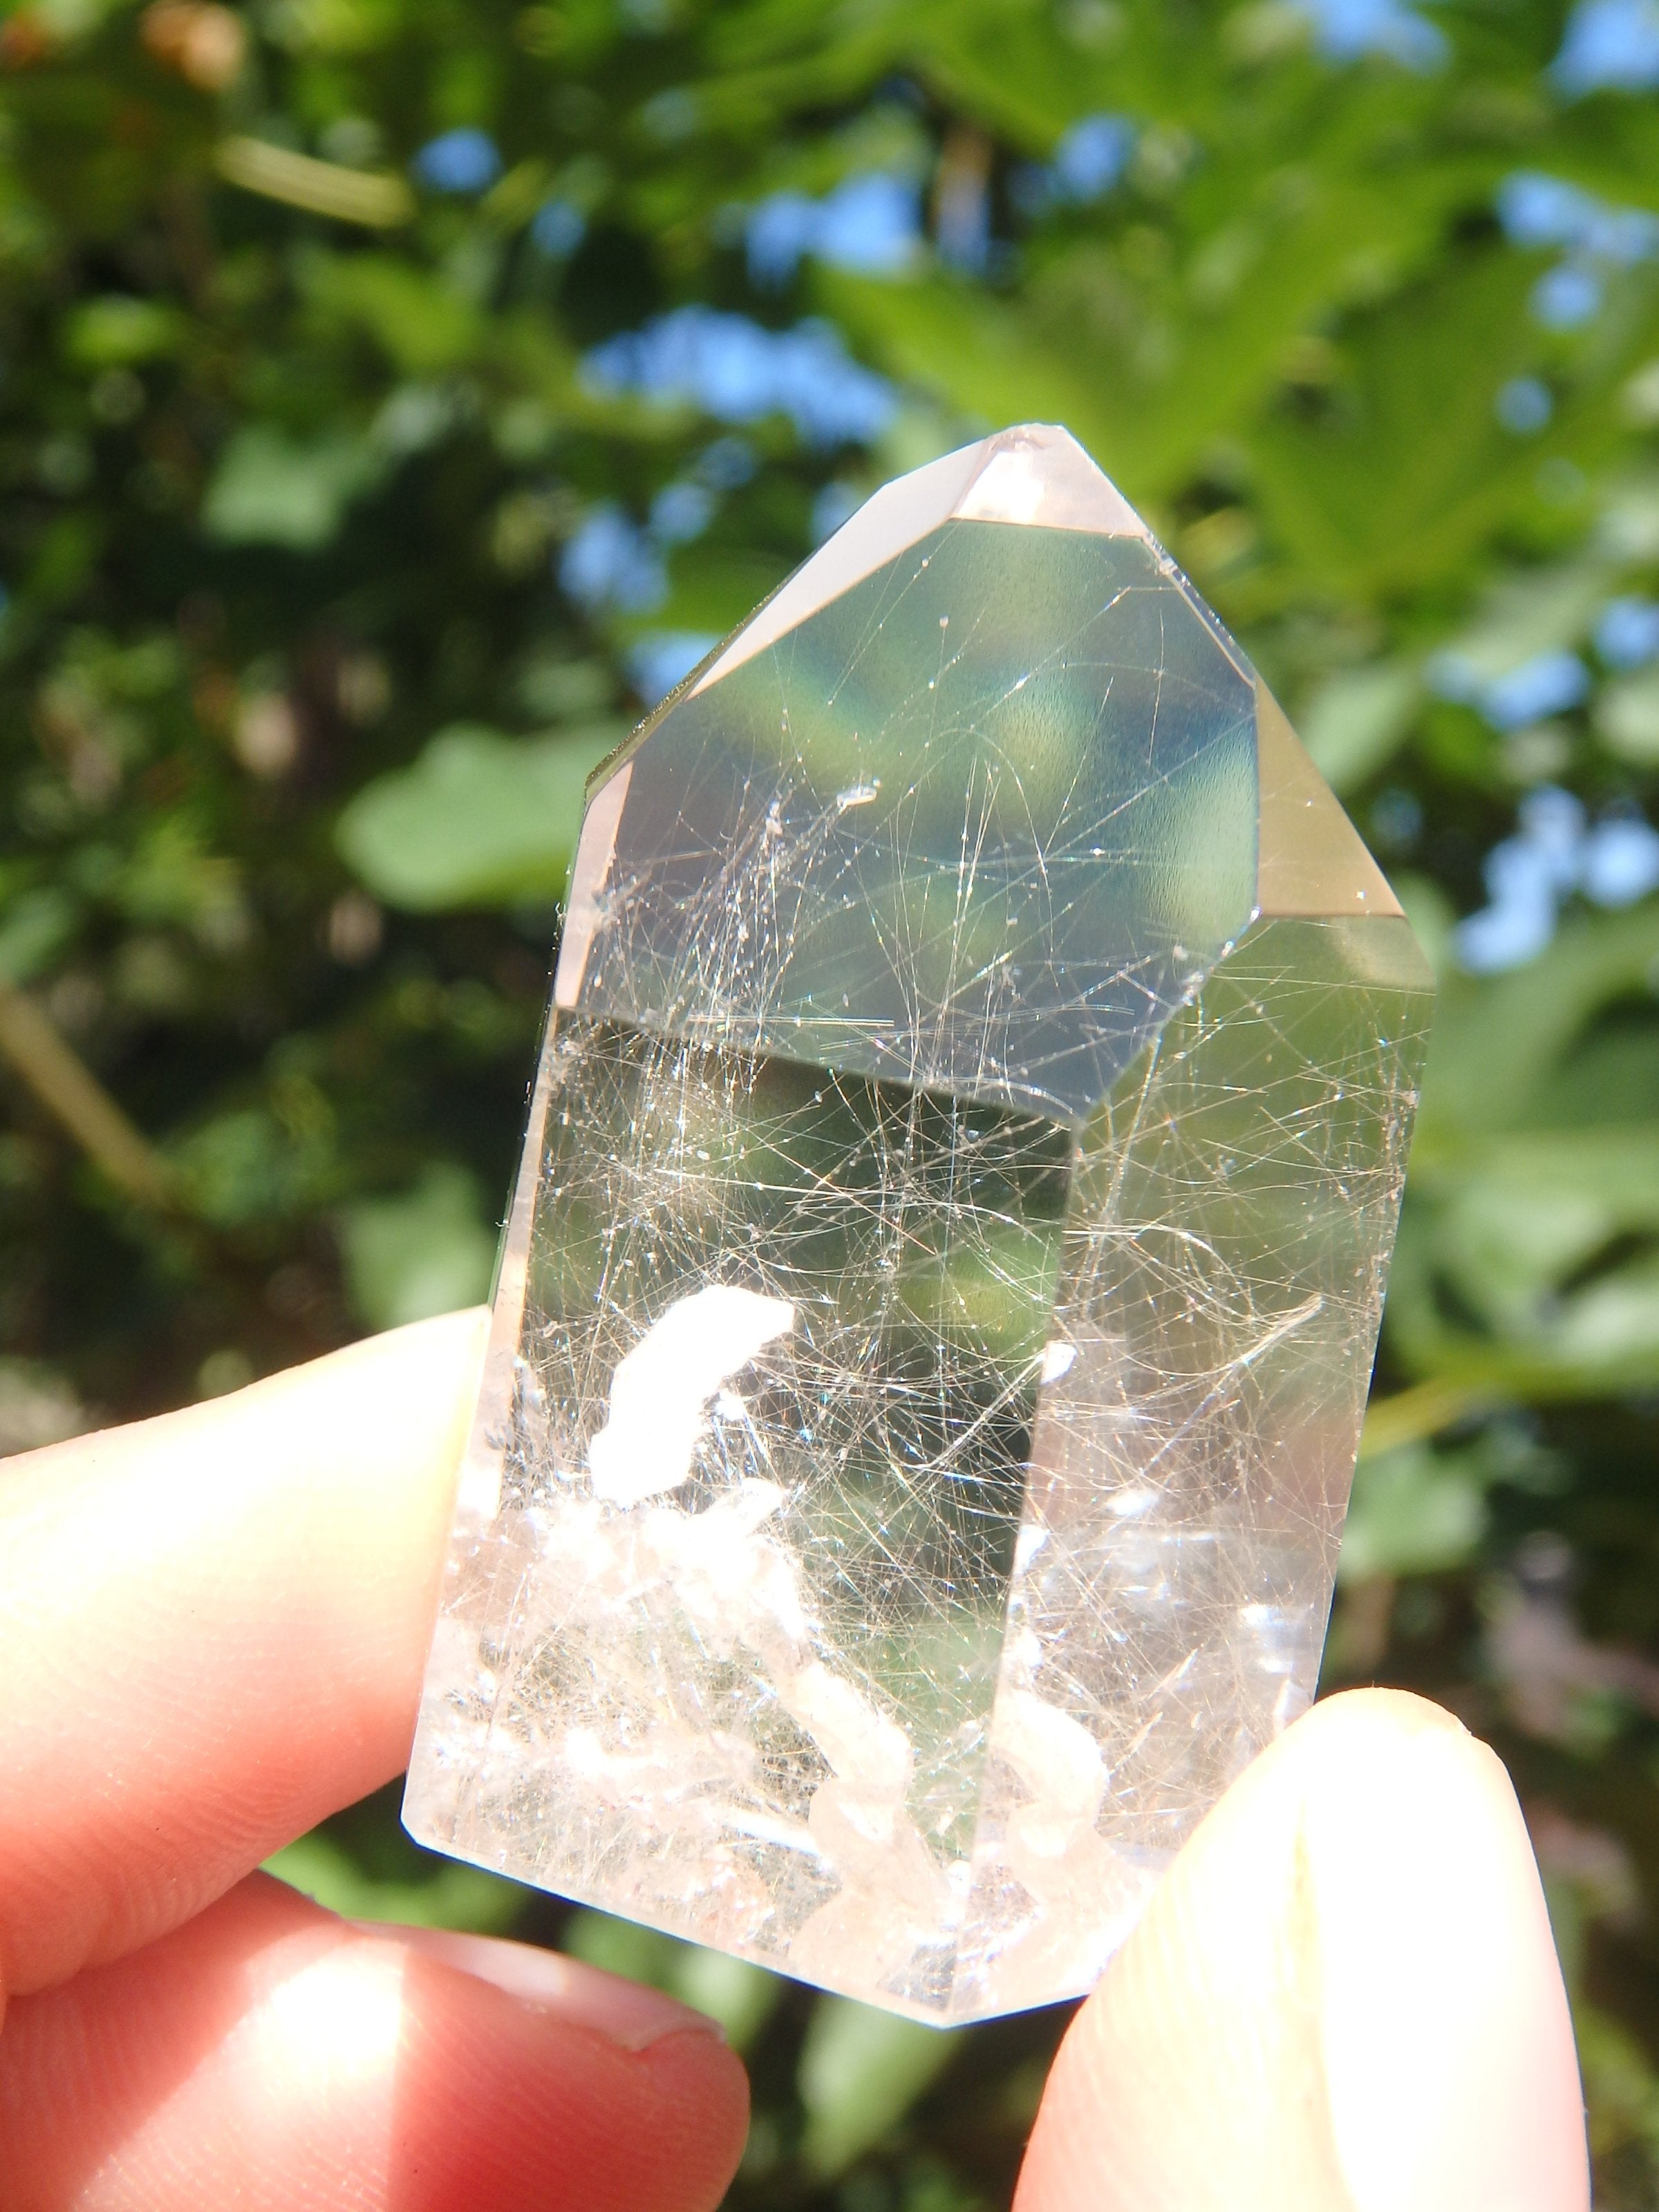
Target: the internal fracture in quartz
(936, 1309)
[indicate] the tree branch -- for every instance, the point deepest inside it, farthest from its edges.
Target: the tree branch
(75, 1098)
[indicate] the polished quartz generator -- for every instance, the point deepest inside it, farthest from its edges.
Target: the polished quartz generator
(936, 1313)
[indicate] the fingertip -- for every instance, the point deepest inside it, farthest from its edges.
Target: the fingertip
(1345, 1996)
(270, 2055)
(513, 2102)
(1448, 2045)
(631, 2014)
(701, 2090)
(212, 1627)
(1378, 1714)
(445, 1350)
(667, 2100)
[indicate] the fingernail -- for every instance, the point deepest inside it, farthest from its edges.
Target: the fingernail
(1447, 2040)
(625, 2013)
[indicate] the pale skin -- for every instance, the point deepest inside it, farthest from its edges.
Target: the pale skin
(212, 1628)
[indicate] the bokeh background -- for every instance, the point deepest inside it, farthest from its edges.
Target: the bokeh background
(397, 396)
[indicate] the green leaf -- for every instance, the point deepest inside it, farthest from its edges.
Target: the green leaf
(1622, 2087)
(37, 1407)
(35, 927)
(1626, 717)
(621, 1947)
(741, 1997)
(1497, 1042)
(1356, 722)
(271, 490)
(860, 2072)
(119, 332)
(1543, 610)
(245, 1165)
(1532, 1262)
(1607, 1337)
(480, 820)
(1150, 354)
(712, 591)
(1413, 1512)
(462, 1896)
(421, 324)
(1395, 479)
(429, 1250)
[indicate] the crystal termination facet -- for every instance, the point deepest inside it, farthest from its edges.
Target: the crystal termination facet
(937, 1308)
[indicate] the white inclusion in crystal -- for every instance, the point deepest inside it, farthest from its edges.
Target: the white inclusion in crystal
(857, 794)
(861, 1745)
(1057, 1360)
(1057, 1760)
(1029, 1541)
(741, 1588)
(734, 1582)
(660, 1392)
(894, 1894)
(1079, 1896)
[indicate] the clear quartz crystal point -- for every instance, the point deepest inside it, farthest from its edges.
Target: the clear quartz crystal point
(936, 1313)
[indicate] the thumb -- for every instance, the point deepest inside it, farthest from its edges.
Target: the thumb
(1343, 1997)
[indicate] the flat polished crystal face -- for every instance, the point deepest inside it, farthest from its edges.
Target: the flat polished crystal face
(937, 860)
(936, 1313)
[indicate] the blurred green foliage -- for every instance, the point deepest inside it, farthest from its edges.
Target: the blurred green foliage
(297, 444)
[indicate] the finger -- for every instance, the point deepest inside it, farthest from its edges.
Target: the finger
(268, 2055)
(1344, 1997)
(212, 1630)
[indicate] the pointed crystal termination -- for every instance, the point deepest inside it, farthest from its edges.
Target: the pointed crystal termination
(937, 1308)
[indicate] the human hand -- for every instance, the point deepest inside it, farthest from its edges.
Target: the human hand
(212, 1628)
(1343, 1997)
